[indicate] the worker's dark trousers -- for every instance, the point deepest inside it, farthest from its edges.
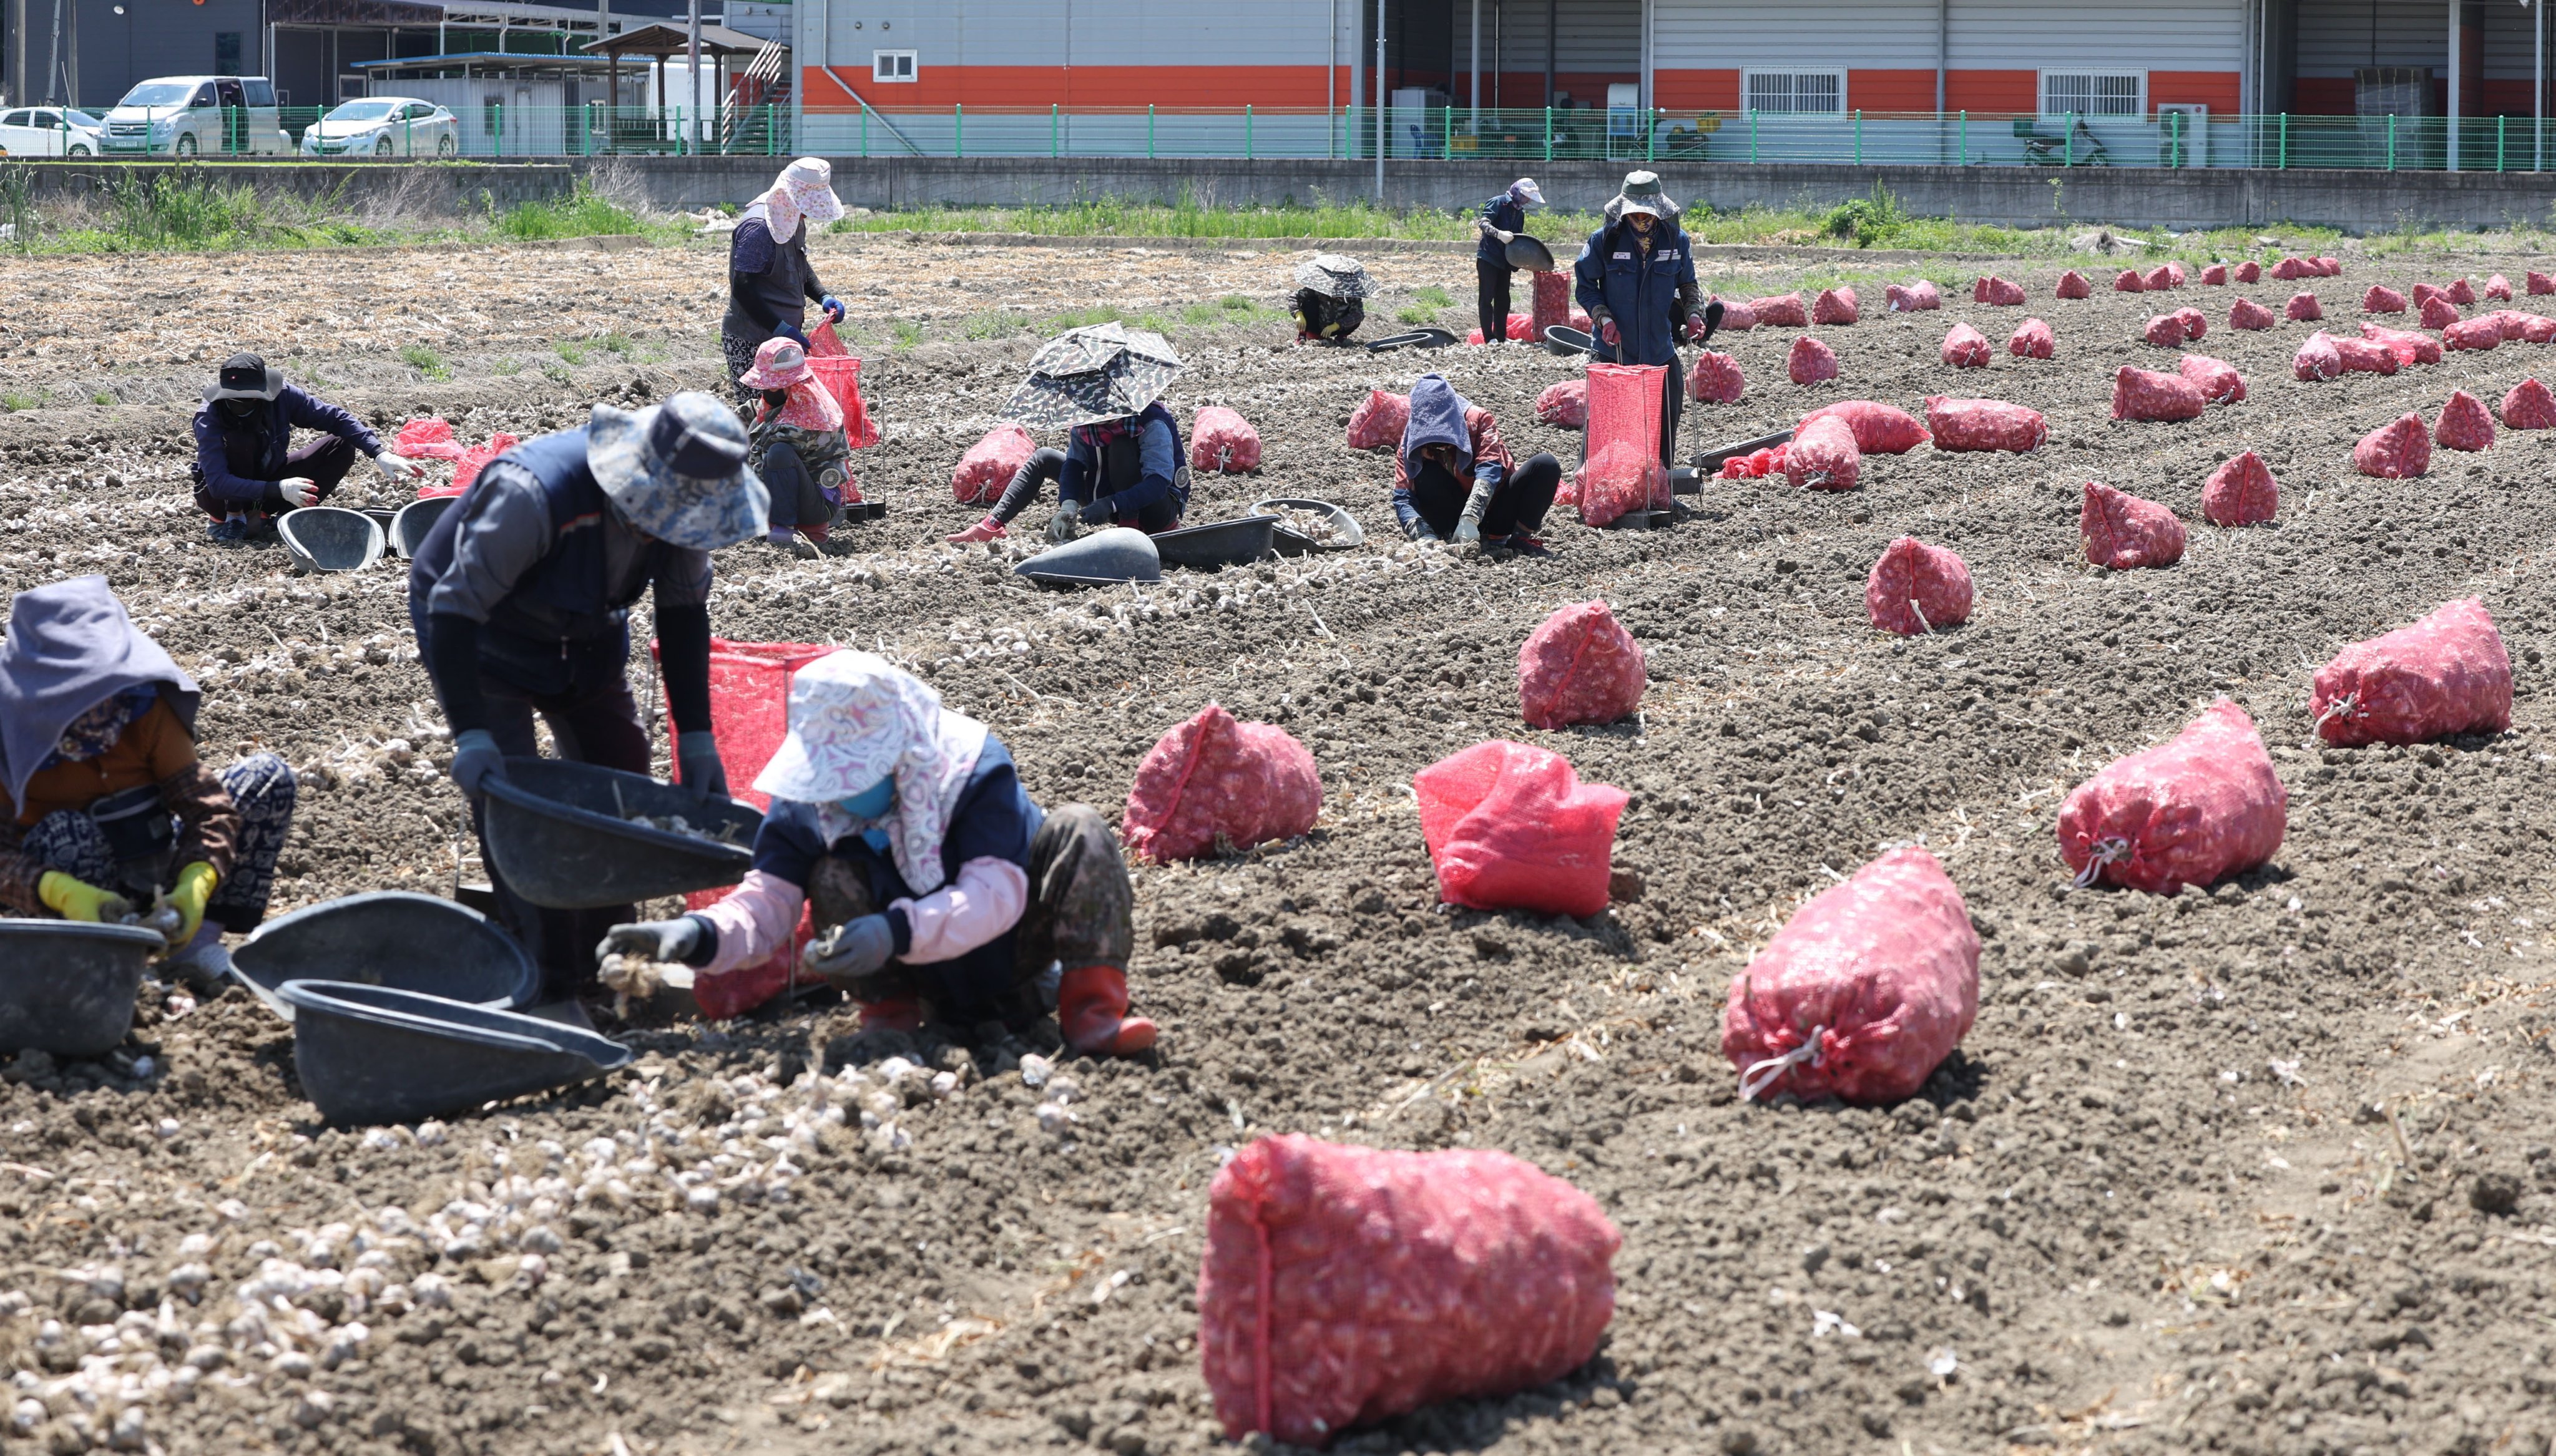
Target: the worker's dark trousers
(1519, 504)
(1047, 465)
(798, 502)
(324, 462)
(1493, 282)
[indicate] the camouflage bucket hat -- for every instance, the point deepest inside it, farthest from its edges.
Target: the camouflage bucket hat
(1336, 276)
(678, 471)
(1088, 375)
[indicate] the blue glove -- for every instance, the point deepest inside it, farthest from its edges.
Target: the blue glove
(475, 759)
(833, 307)
(792, 332)
(1101, 509)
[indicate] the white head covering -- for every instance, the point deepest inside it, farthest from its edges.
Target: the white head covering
(854, 719)
(1525, 190)
(804, 188)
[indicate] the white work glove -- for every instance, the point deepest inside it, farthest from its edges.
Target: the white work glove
(395, 467)
(297, 492)
(1469, 532)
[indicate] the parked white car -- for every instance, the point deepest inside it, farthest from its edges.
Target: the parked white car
(384, 126)
(50, 131)
(198, 116)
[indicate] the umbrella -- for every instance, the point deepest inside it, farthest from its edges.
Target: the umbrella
(1088, 375)
(1336, 276)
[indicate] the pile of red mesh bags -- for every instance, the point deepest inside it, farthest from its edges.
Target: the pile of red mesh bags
(1623, 470)
(2303, 308)
(1965, 347)
(2464, 424)
(1879, 428)
(1916, 588)
(1714, 379)
(2241, 492)
(2128, 281)
(2446, 674)
(2249, 271)
(1377, 424)
(1915, 297)
(1997, 292)
(1834, 305)
(2366, 356)
(2436, 311)
(990, 463)
(1984, 425)
(2408, 347)
(2216, 379)
(1216, 784)
(2529, 406)
(1785, 311)
(1222, 440)
(2032, 341)
(1737, 316)
(1579, 667)
(1864, 992)
(2200, 806)
(2397, 452)
(2317, 359)
(2289, 269)
(2073, 284)
(2248, 315)
(2472, 333)
(1511, 826)
(1343, 1285)
(2124, 532)
(2215, 275)
(1823, 456)
(2382, 299)
(1811, 362)
(2151, 396)
(1564, 403)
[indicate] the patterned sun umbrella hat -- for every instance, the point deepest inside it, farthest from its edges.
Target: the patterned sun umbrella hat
(1087, 375)
(1336, 276)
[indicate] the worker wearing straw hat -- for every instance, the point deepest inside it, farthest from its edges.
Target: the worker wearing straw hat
(1329, 287)
(1123, 462)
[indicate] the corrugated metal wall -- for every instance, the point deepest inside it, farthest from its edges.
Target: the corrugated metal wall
(1694, 35)
(2336, 36)
(119, 51)
(1048, 33)
(1986, 35)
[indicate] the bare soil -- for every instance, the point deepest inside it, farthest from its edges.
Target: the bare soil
(2261, 1169)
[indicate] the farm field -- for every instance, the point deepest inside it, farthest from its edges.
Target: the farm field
(2263, 1169)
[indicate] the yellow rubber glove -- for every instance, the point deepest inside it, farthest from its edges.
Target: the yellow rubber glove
(194, 887)
(76, 900)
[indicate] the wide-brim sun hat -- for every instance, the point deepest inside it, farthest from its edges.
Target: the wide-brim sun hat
(678, 471)
(1087, 375)
(245, 377)
(1642, 193)
(779, 363)
(1335, 276)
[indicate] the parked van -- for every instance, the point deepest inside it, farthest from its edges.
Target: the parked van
(199, 115)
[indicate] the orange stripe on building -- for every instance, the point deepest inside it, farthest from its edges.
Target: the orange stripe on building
(1891, 91)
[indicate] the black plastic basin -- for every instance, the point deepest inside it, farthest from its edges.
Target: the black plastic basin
(370, 1054)
(389, 937)
(560, 834)
(1118, 553)
(407, 529)
(1530, 254)
(67, 987)
(328, 539)
(1236, 543)
(1346, 533)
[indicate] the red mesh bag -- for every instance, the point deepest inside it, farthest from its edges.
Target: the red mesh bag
(2148, 395)
(1522, 327)
(425, 438)
(2408, 347)
(1222, 440)
(2447, 673)
(2328, 267)
(1915, 297)
(2124, 532)
(2512, 324)
(2160, 278)
(1623, 470)
(2073, 284)
(2539, 330)
(2246, 314)
(1551, 305)
(2195, 324)
(841, 375)
(2033, 340)
(990, 463)
(1714, 379)
(2249, 271)
(1997, 291)
(2529, 406)
(1579, 667)
(1216, 782)
(2438, 311)
(2164, 331)
(2472, 333)
(1834, 305)
(1916, 588)
(1511, 826)
(2365, 356)
(2293, 268)
(2397, 452)
(1984, 425)
(1864, 991)
(2192, 811)
(2215, 275)
(2540, 284)
(2317, 359)
(2128, 281)
(2461, 292)
(2382, 299)
(1965, 347)
(1344, 1286)
(2241, 492)
(1879, 428)
(1784, 311)
(2216, 379)
(1377, 424)
(2464, 425)
(466, 466)
(1823, 456)
(1811, 362)
(2498, 287)
(2303, 308)
(1566, 402)
(1737, 316)
(2174, 275)
(2425, 292)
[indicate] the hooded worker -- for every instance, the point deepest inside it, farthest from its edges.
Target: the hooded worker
(1328, 306)
(1454, 479)
(799, 451)
(933, 884)
(1499, 222)
(246, 469)
(1123, 462)
(1637, 282)
(521, 597)
(108, 807)
(770, 283)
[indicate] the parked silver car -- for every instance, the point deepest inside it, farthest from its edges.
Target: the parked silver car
(199, 115)
(384, 126)
(50, 131)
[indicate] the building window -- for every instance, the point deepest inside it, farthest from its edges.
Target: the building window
(226, 52)
(891, 66)
(1818, 92)
(2094, 92)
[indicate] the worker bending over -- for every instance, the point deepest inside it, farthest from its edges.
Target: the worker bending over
(1499, 224)
(246, 470)
(1453, 480)
(1123, 462)
(1330, 292)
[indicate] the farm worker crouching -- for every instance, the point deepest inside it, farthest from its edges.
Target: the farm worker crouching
(1124, 462)
(246, 469)
(798, 448)
(108, 805)
(520, 595)
(1329, 291)
(1501, 220)
(1453, 480)
(1637, 282)
(769, 280)
(930, 876)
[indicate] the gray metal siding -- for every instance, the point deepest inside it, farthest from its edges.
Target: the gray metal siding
(2337, 36)
(1046, 33)
(1688, 35)
(119, 51)
(1986, 35)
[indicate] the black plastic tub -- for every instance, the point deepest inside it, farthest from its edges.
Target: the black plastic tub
(1346, 531)
(389, 937)
(409, 527)
(1236, 543)
(1530, 254)
(1118, 553)
(561, 836)
(373, 1054)
(67, 987)
(330, 539)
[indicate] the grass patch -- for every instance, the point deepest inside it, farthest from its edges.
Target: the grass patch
(583, 213)
(1416, 315)
(13, 402)
(908, 334)
(1433, 296)
(425, 361)
(571, 350)
(101, 398)
(616, 342)
(1188, 218)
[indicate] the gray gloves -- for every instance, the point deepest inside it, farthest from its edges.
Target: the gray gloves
(1065, 526)
(671, 940)
(697, 759)
(475, 759)
(852, 950)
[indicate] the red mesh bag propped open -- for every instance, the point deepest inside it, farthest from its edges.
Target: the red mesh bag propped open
(1216, 782)
(1916, 588)
(1222, 440)
(2399, 450)
(2126, 533)
(2241, 492)
(2192, 811)
(1343, 1285)
(1551, 305)
(1511, 826)
(1378, 422)
(1879, 428)
(1864, 992)
(1714, 379)
(2446, 674)
(990, 463)
(841, 375)
(1564, 403)
(1579, 667)
(1623, 470)
(1984, 425)
(2529, 406)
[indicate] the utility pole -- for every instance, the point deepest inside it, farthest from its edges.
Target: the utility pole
(1379, 101)
(693, 56)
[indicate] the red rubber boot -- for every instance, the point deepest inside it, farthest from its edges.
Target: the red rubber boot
(1091, 1011)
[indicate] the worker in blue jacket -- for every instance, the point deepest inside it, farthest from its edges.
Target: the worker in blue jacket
(1129, 471)
(246, 469)
(1637, 282)
(1501, 220)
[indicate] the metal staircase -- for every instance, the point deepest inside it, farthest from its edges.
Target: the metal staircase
(754, 116)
